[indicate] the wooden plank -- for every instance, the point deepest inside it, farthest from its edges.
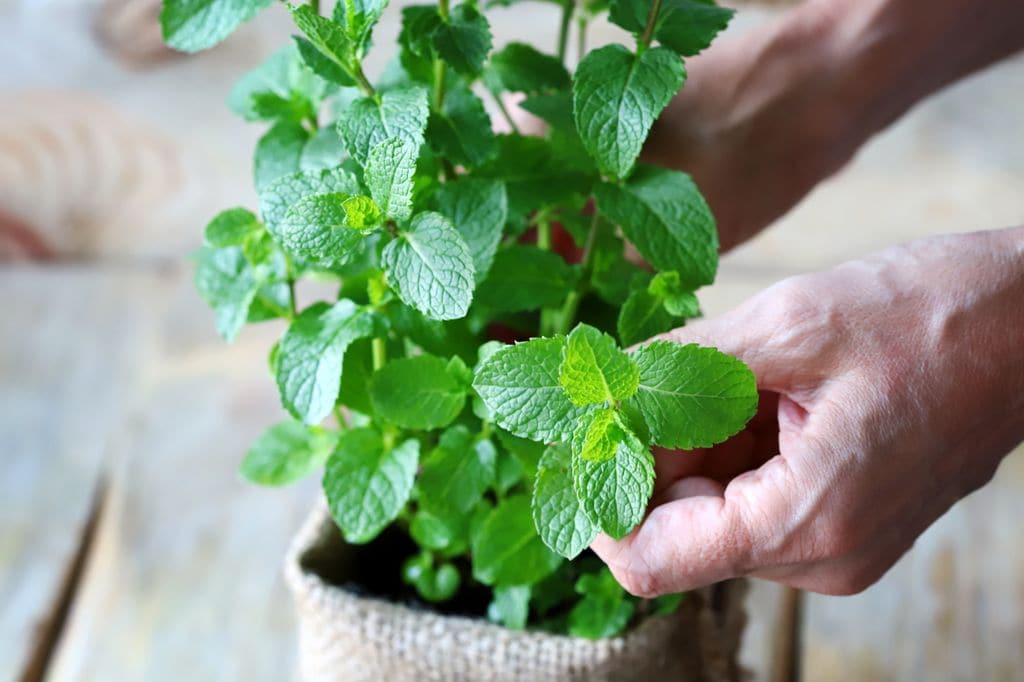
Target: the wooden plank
(72, 342)
(952, 608)
(184, 581)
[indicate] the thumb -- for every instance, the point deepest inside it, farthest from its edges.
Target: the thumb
(694, 538)
(760, 333)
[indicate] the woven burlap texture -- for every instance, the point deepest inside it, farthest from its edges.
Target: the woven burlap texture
(351, 638)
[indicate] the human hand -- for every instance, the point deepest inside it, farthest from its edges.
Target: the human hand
(769, 113)
(894, 386)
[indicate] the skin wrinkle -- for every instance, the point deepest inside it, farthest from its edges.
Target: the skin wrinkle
(868, 359)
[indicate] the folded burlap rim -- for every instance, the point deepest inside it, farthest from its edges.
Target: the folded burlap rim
(345, 636)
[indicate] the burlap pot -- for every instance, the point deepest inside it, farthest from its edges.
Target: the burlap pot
(346, 637)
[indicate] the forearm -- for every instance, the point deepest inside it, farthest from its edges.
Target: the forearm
(887, 55)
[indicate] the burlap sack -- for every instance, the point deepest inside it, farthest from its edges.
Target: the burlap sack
(350, 638)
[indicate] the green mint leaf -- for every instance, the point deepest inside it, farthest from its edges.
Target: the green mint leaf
(285, 453)
(430, 267)
(232, 227)
(616, 97)
(356, 370)
(462, 133)
(686, 26)
(280, 195)
(362, 214)
(692, 397)
(510, 606)
(309, 359)
(605, 609)
(228, 283)
(317, 229)
(326, 35)
(359, 17)
(555, 109)
(464, 40)
(507, 550)
(526, 452)
(416, 53)
(324, 150)
(389, 171)
(446, 533)
(417, 393)
(322, 65)
(478, 210)
(615, 492)
(509, 472)
(520, 386)
(597, 436)
(283, 75)
(534, 175)
(611, 274)
(663, 214)
(366, 484)
(400, 113)
(278, 153)
(642, 316)
(667, 286)
(458, 471)
(526, 278)
(559, 517)
(193, 25)
(594, 370)
(522, 68)
(435, 584)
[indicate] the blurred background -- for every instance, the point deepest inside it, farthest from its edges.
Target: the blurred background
(129, 547)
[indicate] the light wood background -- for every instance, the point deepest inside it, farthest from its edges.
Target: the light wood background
(129, 548)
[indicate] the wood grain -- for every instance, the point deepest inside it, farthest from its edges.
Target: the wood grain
(184, 580)
(73, 341)
(951, 609)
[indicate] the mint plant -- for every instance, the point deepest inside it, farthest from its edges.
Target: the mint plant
(444, 241)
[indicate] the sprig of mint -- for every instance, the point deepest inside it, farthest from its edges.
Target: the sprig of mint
(499, 460)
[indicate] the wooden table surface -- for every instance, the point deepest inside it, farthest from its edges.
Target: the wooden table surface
(130, 549)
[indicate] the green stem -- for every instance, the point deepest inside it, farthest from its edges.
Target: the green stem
(442, 9)
(362, 81)
(291, 295)
(581, 37)
(544, 233)
(504, 111)
(572, 302)
(380, 352)
(652, 20)
(568, 7)
(315, 5)
(438, 85)
(340, 418)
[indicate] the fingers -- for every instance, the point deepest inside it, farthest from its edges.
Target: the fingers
(694, 539)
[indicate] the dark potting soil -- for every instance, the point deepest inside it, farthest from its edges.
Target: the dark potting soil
(375, 570)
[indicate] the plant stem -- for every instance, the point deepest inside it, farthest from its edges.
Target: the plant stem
(438, 85)
(315, 5)
(340, 418)
(362, 81)
(504, 111)
(291, 295)
(442, 9)
(544, 233)
(652, 20)
(380, 352)
(568, 6)
(572, 302)
(581, 37)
